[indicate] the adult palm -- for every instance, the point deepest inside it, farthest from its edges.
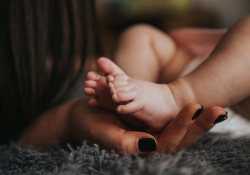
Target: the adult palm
(107, 130)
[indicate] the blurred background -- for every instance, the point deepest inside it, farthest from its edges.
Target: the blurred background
(116, 15)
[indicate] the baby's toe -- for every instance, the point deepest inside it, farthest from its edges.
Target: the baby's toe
(117, 83)
(93, 76)
(128, 108)
(90, 84)
(89, 91)
(107, 66)
(111, 78)
(114, 83)
(121, 77)
(93, 102)
(124, 88)
(124, 96)
(121, 88)
(112, 90)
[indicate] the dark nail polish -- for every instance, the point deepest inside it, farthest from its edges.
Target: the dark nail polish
(197, 113)
(147, 145)
(221, 118)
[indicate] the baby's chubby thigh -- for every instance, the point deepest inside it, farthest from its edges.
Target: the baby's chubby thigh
(143, 50)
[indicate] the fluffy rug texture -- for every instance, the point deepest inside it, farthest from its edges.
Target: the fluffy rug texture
(213, 154)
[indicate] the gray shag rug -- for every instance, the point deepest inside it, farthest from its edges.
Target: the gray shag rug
(213, 154)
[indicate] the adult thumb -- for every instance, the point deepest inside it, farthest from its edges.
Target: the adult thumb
(133, 142)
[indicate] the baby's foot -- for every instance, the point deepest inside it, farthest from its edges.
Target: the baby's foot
(96, 85)
(152, 103)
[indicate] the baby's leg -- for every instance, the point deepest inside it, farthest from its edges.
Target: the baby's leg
(224, 78)
(197, 41)
(144, 51)
(147, 53)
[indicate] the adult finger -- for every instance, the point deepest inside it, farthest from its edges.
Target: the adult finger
(172, 135)
(206, 121)
(134, 142)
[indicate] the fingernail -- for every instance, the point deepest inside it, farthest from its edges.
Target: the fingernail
(221, 118)
(111, 78)
(147, 145)
(115, 95)
(110, 85)
(197, 113)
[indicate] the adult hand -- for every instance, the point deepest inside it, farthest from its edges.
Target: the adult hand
(98, 126)
(77, 121)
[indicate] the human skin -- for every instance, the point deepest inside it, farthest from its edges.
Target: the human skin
(202, 86)
(148, 100)
(76, 121)
(165, 55)
(146, 53)
(142, 99)
(219, 76)
(223, 79)
(42, 132)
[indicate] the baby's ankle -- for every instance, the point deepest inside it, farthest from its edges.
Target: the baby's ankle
(182, 93)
